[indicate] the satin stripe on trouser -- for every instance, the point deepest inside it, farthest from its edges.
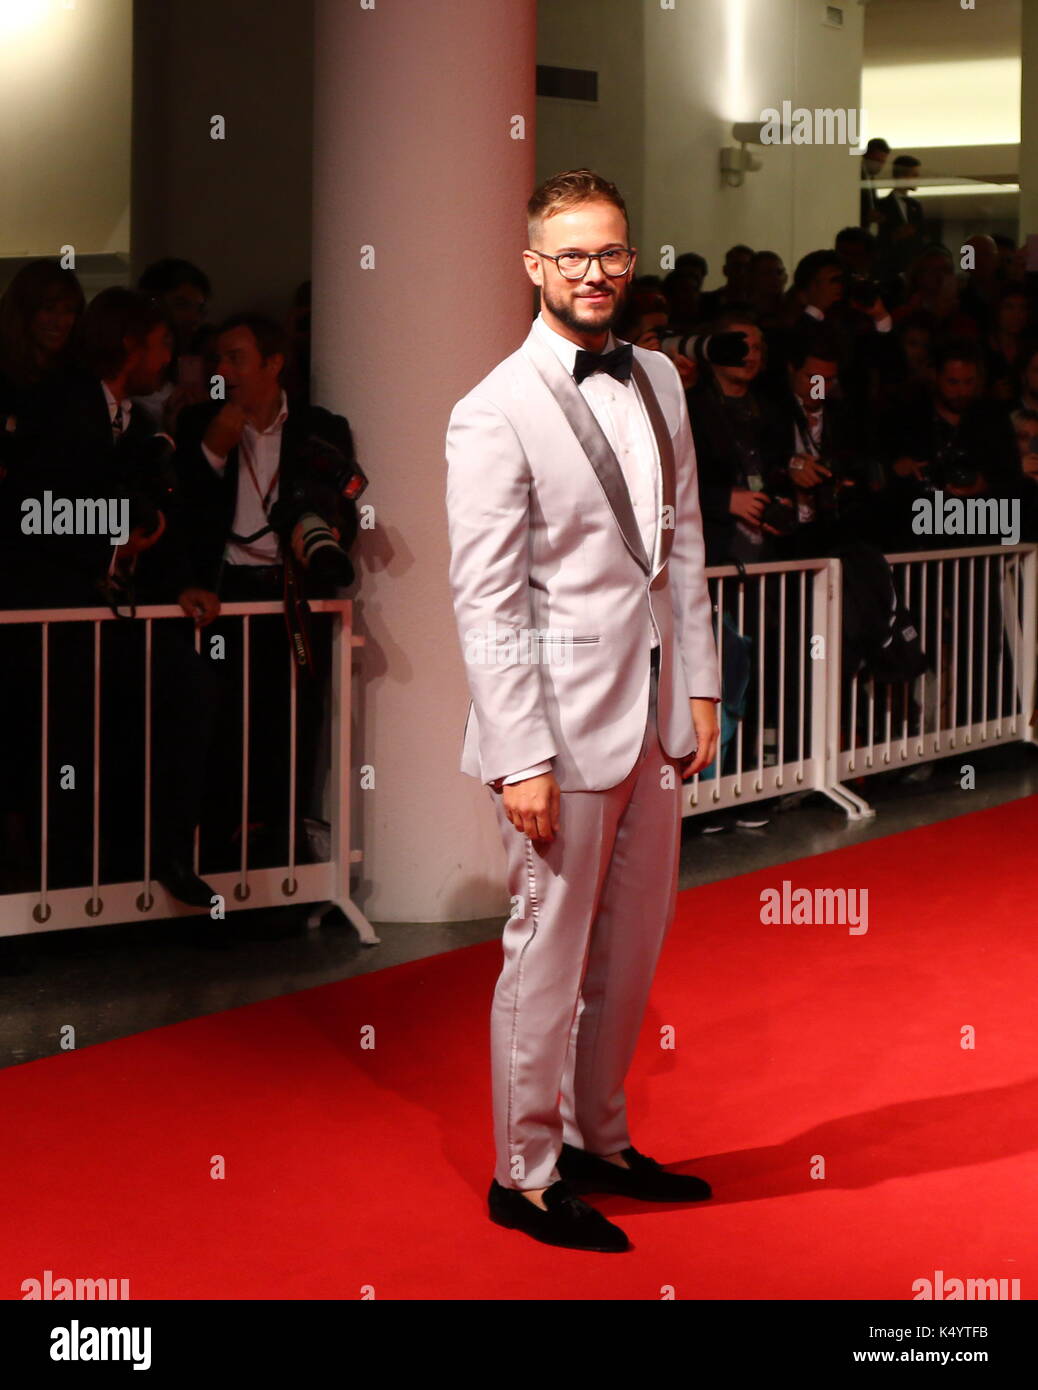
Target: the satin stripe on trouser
(590, 913)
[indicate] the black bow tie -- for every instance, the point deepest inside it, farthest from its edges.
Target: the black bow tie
(617, 363)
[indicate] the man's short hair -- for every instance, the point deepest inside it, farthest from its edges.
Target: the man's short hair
(111, 316)
(271, 336)
(857, 234)
(162, 276)
(877, 143)
(810, 265)
(733, 314)
(956, 350)
(565, 191)
(816, 342)
(905, 161)
(692, 260)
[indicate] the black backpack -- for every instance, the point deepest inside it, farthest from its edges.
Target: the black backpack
(880, 635)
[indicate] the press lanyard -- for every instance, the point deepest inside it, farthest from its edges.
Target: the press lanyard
(805, 443)
(263, 497)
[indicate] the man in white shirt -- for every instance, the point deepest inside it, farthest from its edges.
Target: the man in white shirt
(248, 465)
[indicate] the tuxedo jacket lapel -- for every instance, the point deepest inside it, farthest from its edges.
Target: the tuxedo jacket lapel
(666, 452)
(581, 420)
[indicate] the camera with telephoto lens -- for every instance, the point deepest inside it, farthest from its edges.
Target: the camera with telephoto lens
(828, 494)
(779, 515)
(863, 292)
(955, 467)
(307, 511)
(719, 349)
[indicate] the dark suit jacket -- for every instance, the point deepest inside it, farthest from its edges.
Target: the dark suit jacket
(895, 253)
(986, 441)
(210, 500)
(915, 216)
(846, 447)
(67, 448)
(718, 467)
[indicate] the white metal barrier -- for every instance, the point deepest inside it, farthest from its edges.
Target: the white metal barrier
(326, 884)
(977, 613)
(977, 620)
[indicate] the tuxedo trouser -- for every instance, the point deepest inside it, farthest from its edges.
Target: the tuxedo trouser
(590, 910)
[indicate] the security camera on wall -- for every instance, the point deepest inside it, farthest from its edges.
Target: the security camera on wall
(737, 162)
(749, 132)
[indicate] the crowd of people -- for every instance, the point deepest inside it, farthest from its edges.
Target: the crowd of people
(891, 369)
(149, 457)
(854, 394)
(843, 413)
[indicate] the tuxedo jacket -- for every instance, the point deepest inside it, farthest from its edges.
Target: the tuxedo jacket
(543, 536)
(210, 499)
(915, 215)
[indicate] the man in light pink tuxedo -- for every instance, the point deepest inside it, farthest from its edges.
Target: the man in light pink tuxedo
(577, 576)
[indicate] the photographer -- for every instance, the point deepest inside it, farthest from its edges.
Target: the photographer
(954, 442)
(741, 521)
(270, 516)
(820, 444)
(87, 449)
(730, 430)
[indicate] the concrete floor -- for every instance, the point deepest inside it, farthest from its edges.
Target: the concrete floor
(111, 982)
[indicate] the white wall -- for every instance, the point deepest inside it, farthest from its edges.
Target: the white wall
(1029, 124)
(65, 127)
(704, 65)
(239, 207)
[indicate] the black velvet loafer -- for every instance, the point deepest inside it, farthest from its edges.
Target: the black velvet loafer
(643, 1179)
(568, 1221)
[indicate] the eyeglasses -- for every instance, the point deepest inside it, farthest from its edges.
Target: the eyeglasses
(573, 265)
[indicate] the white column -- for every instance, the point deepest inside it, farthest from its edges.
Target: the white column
(416, 110)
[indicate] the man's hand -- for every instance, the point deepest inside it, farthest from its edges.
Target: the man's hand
(905, 467)
(533, 805)
(200, 604)
(974, 490)
(806, 471)
(688, 370)
(139, 540)
(704, 717)
(224, 431)
(747, 505)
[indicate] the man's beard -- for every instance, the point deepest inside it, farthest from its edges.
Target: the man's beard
(564, 313)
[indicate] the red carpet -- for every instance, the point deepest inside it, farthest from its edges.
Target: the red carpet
(348, 1167)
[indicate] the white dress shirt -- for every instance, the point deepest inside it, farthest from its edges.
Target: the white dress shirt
(261, 449)
(123, 408)
(883, 325)
(619, 409)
